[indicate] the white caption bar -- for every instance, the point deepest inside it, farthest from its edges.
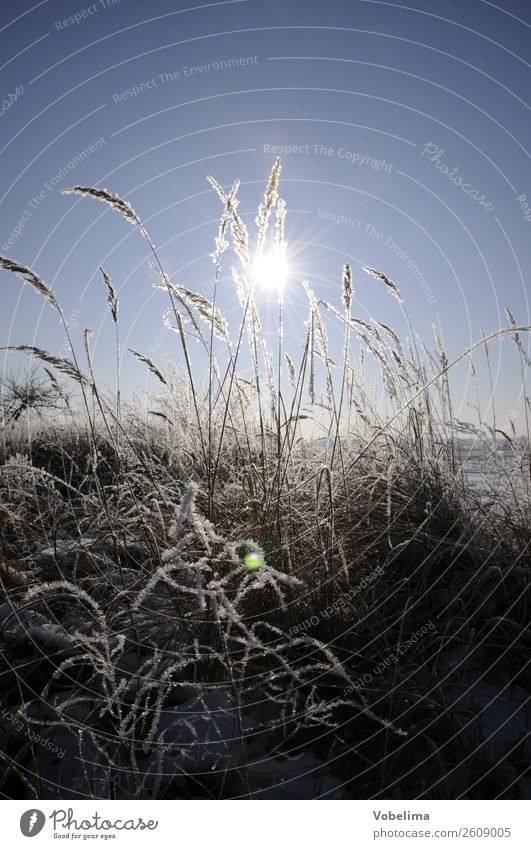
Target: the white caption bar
(239, 824)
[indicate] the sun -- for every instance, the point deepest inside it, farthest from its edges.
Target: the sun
(271, 270)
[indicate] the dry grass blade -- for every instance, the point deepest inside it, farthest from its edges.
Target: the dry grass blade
(207, 311)
(121, 206)
(516, 338)
(59, 363)
(29, 277)
(311, 347)
(150, 364)
(353, 321)
(112, 297)
(280, 224)
(238, 228)
(264, 209)
(292, 371)
(379, 275)
(391, 333)
(440, 347)
(87, 333)
(160, 415)
(368, 327)
(347, 286)
(272, 185)
(223, 196)
(220, 240)
(56, 385)
(175, 292)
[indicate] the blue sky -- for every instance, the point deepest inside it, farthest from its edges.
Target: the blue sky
(406, 128)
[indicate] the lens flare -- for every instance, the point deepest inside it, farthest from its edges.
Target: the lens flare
(252, 561)
(271, 270)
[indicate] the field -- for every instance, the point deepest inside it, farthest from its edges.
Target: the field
(283, 583)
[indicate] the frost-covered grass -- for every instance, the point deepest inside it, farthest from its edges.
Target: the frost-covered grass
(208, 600)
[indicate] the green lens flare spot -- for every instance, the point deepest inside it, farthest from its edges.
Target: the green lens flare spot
(252, 561)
